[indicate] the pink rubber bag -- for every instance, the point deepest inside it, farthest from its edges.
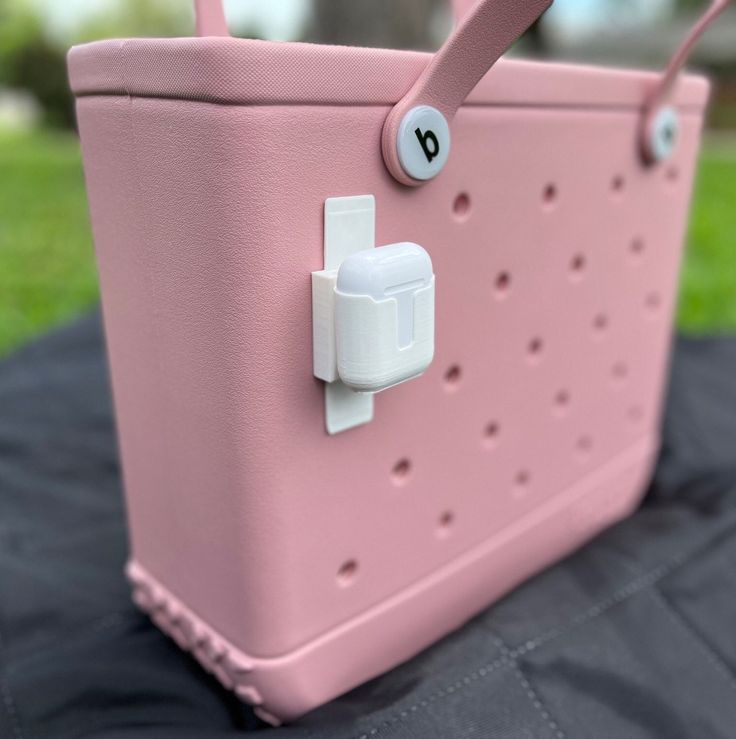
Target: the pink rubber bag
(299, 537)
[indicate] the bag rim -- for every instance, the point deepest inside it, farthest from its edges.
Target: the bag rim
(252, 72)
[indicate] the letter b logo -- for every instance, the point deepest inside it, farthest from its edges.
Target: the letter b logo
(423, 142)
(428, 142)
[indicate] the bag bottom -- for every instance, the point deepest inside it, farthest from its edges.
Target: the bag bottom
(284, 687)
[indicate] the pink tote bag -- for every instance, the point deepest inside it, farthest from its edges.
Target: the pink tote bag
(297, 536)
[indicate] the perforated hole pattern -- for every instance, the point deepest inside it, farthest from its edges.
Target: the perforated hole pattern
(581, 447)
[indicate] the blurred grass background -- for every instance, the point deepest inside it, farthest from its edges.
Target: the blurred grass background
(708, 283)
(47, 272)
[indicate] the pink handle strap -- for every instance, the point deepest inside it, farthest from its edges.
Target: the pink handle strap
(681, 55)
(481, 36)
(210, 18)
(419, 124)
(485, 30)
(659, 122)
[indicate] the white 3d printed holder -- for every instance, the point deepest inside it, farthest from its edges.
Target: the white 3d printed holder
(373, 313)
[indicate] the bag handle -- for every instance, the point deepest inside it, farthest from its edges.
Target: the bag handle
(660, 123)
(416, 135)
(209, 16)
(482, 34)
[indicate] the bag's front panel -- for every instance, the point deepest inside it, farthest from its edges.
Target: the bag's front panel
(556, 259)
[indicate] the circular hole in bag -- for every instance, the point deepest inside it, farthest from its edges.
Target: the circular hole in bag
(401, 471)
(637, 247)
(600, 324)
(461, 207)
(550, 196)
(522, 481)
(562, 402)
(535, 349)
(618, 185)
(347, 573)
(577, 267)
(503, 285)
(584, 447)
(444, 525)
(453, 376)
(653, 302)
(491, 434)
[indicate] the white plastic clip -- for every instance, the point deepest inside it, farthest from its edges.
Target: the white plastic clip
(373, 313)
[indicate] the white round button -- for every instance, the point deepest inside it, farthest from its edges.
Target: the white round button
(665, 131)
(424, 142)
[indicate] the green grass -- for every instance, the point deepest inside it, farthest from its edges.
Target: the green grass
(47, 272)
(708, 289)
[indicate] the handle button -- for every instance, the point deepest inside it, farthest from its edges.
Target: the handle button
(423, 143)
(663, 134)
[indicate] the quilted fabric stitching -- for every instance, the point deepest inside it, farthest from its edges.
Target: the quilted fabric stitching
(483, 672)
(639, 584)
(531, 693)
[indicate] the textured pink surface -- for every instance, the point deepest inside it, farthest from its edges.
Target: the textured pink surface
(326, 560)
(227, 70)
